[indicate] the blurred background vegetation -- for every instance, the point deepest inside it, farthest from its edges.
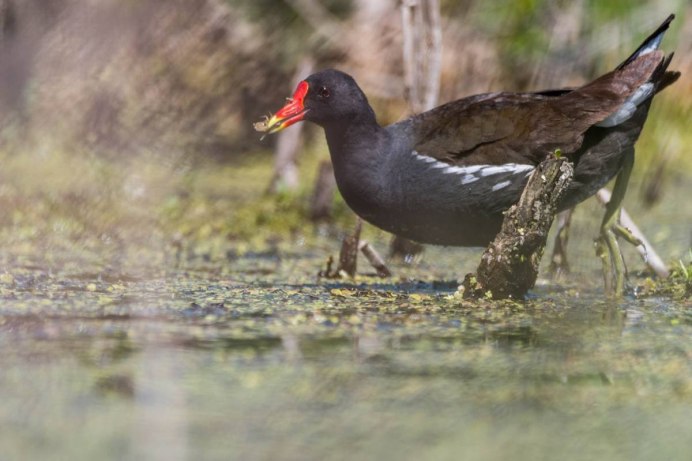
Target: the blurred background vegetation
(126, 126)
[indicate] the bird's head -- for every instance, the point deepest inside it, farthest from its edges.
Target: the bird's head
(327, 97)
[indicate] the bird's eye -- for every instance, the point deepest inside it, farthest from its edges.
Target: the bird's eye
(323, 92)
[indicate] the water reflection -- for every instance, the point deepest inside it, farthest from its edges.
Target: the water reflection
(229, 375)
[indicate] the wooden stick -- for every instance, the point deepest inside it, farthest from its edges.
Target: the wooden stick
(348, 256)
(375, 259)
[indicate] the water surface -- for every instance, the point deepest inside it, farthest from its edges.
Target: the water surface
(204, 363)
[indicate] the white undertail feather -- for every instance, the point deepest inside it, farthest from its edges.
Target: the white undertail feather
(651, 46)
(629, 107)
(641, 94)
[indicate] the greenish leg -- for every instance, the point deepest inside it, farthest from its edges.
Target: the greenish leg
(607, 247)
(625, 233)
(604, 255)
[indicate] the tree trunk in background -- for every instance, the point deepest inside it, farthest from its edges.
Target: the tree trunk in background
(323, 193)
(288, 143)
(422, 32)
(8, 20)
(422, 66)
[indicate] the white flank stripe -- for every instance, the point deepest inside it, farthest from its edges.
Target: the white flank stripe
(513, 168)
(453, 170)
(473, 168)
(501, 185)
(424, 158)
(472, 173)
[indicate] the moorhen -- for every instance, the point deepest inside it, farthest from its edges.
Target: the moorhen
(446, 176)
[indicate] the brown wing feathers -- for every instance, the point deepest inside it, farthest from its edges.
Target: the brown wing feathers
(593, 102)
(519, 127)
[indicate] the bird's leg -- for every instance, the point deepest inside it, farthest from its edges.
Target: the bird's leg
(627, 234)
(558, 262)
(607, 248)
(604, 255)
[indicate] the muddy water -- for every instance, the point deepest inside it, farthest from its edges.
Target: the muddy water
(176, 326)
(262, 361)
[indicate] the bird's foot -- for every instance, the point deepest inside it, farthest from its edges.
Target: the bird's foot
(628, 235)
(608, 250)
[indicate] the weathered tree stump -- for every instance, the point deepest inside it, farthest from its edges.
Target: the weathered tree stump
(509, 266)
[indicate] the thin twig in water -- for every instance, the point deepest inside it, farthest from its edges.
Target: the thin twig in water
(375, 259)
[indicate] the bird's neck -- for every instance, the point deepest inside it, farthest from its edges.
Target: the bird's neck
(355, 141)
(358, 148)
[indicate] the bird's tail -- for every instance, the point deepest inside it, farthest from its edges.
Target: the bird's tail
(651, 43)
(661, 77)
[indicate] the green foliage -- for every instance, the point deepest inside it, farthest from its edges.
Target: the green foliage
(601, 11)
(677, 286)
(287, 34)
(518, 25)
(683, 271)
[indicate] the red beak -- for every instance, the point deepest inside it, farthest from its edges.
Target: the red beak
(292, 112)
